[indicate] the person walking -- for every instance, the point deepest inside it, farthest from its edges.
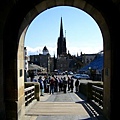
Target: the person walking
(52, 85)
(31, 74)
(46, 84)
(40, 80)
(77, 85)
(72, 84)
(69, 82)
(60, 84)
(64, 84)
(56, 84)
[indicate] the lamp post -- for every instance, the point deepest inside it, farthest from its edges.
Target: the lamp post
(90, 71)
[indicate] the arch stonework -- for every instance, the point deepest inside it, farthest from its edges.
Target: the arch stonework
(15, 19)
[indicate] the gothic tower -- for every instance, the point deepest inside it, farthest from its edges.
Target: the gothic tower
(61, 44)
(45, 51)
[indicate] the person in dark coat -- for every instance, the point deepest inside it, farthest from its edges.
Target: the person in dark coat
(60, 84)
(72, 85)
(40, 80)
(77, 85)
(69, 82)
(31, 74)
(64, 84)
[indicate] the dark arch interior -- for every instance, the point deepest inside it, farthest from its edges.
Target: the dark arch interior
(16, 17)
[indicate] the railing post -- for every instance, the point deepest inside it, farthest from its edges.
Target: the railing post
(89, 91)
(32, 92)
(37, 91)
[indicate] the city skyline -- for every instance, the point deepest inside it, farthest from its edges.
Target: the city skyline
(81, 31)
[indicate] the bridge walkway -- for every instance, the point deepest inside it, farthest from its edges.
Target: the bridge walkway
(62, 106)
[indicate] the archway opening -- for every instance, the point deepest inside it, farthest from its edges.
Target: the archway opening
(81, 32)
(39, 49)
(101, 22)
(18, 45)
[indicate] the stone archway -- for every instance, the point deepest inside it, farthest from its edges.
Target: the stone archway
(103, 26)
(19, 16)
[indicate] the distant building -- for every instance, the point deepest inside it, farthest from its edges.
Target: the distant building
(64, 61)
(42, 60)
(45, 51)
(87, 58)
(61, 44)
(25, 64)
(25, 59)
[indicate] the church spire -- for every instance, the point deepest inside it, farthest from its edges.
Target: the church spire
(61, 28)
(61, 44)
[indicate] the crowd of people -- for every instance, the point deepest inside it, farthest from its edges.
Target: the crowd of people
(52, 84)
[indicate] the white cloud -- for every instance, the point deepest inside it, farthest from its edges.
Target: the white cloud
(37, 50)
(86, 50)
(72, 50)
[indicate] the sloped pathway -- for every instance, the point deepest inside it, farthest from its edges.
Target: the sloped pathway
(62, 106)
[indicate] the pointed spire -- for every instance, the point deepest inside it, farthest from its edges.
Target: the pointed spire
(61, 28)
(65, 33)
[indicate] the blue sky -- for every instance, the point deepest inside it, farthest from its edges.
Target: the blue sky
(82, 32)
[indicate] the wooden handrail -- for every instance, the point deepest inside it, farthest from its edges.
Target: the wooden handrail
(29, 95)
(97, 96)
